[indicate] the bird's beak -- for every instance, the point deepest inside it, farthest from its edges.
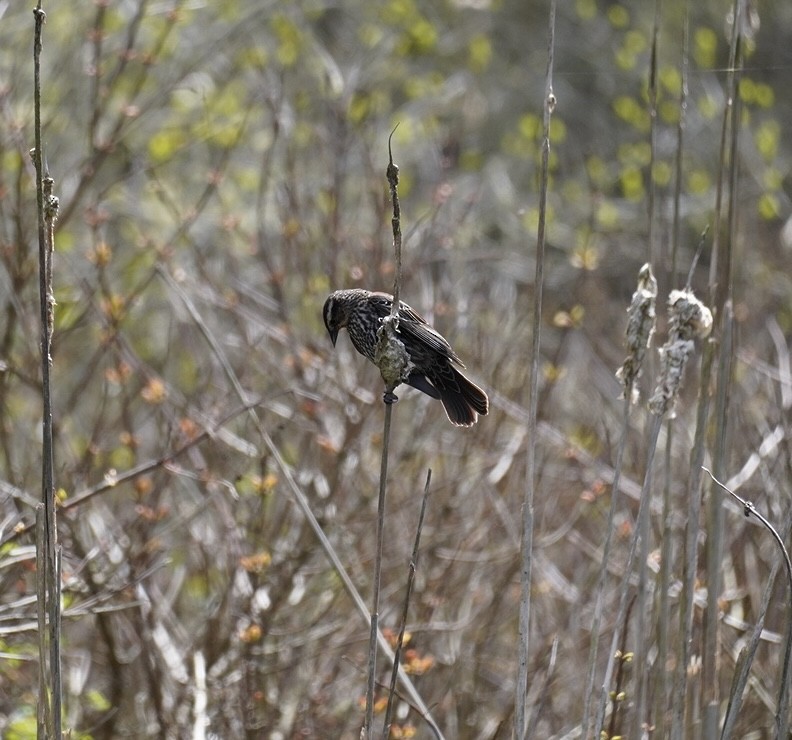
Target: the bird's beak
(333, 335)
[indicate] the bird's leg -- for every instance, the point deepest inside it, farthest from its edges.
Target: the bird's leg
(389, 396)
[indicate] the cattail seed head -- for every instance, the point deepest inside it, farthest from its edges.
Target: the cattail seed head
(640, 327)
(688, 318)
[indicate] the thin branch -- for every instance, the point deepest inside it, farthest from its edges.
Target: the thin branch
(721, 285)
(44, 711)
(408, 593)
(681, 123)
(47, 205)
(600, 589)
(372, 656)
(653, 75)
(638, 336)
(620, 627)
(526, 565)
(618, 694)
(782, 711)
(392, 360)
(111, 482)
(392, 175)
(693, 495)
(545, 690)
(304, 505)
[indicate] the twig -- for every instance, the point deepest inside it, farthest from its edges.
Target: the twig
(693, 495)
(392, 175)
(304, 505)
(526, 565)
(716, 521)
(545, 690)
(111, 482)
(44, 711)
(372, 656)
(640, 328)
(47, 205)
(721, 280)
(742, 667)
(623, 613)
(688, 318)
(749, 509)
(681, 123)
(653, 74)
(408, 593)
(392, 360)
(600, 590)
(618, 694)
(408, 698)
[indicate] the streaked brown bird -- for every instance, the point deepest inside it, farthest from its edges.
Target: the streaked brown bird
(432, 360)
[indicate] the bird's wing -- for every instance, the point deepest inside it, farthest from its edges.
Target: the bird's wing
(425, 334)
(414, 325)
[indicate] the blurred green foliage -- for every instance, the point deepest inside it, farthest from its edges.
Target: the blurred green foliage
(220, 169)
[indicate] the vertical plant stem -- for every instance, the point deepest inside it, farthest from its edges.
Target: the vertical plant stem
(544, 693)
(624, 657)
(683, 96)
(721, 287)
(693, 495)
(782, 719)
(407, 594)
(530, 474)
(392, 175)
(47, 206)
(742, 668)
(372, 662)
(663, 600)
(303, 504)
(644, 604)
(388, 330)
(595, 625)
(621, 617)
(653, 257)
(646, 608)
(44, 710)
(642, 601)
(664, 639)
(715, 526)
(784, 686)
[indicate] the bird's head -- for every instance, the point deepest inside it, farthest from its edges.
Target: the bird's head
(333, 317)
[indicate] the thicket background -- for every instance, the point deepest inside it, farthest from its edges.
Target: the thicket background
(220, 168)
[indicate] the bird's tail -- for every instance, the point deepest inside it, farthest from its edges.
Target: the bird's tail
(463, 400)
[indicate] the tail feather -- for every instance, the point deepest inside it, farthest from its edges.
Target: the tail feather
(463, 400)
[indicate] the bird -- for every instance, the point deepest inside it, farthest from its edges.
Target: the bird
(433, 363)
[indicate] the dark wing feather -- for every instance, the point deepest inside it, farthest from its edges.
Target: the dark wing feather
(422, 384)
(412, 324)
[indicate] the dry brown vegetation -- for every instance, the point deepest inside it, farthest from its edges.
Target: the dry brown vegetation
(220, 169)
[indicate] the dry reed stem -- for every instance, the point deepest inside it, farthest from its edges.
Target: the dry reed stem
(47, 545)
(393, 362)
(526, 564)
(408, 592)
